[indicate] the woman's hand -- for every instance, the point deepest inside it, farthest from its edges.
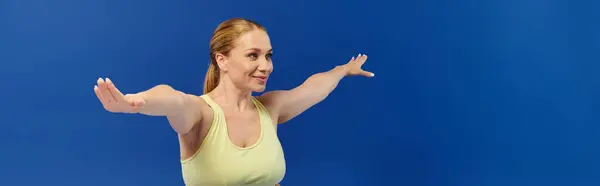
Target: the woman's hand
(114, 101)
(354, 67)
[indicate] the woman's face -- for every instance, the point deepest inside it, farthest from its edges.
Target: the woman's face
(249, 64)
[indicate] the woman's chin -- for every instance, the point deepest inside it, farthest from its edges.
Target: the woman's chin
(258, 88)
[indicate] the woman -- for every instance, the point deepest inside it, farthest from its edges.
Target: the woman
(227, 136)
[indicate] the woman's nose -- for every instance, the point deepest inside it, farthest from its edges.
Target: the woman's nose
(264, 65)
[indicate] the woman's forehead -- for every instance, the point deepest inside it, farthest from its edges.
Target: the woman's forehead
(255, 40)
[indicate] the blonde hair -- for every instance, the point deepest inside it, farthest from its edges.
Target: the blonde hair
(223, 41)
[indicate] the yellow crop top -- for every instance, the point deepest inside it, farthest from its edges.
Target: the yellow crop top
(219, 162)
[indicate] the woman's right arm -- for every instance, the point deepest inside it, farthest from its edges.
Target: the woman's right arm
(182, 110)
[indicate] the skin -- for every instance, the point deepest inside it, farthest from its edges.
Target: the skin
(244, 70)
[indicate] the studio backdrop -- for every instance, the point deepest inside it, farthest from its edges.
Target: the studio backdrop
(466, 93)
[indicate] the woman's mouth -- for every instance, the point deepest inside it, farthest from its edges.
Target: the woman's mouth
(261, 79)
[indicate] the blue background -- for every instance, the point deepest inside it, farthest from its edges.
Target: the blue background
(466, 93)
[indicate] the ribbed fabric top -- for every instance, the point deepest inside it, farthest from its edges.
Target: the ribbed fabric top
(220, 162)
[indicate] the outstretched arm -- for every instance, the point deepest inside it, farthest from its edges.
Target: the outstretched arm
(288, 104)
(182, 110)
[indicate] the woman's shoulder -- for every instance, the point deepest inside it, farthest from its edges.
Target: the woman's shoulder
(266, 98)
(204, 100)
(271, 101)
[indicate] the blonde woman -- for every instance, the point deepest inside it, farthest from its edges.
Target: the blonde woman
(227, 136)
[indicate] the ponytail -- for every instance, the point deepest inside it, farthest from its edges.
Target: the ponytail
(212, 78)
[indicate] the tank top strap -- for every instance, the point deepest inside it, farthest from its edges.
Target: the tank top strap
(217, 127)
(211, 103)
(261, 108)
(218, 114)
(264, 113)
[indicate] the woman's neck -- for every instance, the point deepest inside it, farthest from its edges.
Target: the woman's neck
(229, 95)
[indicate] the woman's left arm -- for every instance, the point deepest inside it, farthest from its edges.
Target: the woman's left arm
(287, 104)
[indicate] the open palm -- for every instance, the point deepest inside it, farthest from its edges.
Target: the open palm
(354, 66)
(114, 101)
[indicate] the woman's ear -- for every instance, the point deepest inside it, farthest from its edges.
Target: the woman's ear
(221, 61)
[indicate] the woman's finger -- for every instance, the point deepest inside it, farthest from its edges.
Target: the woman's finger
(98, 94)
(104, 91)
(367, 73)
(358, 57)
(363, 59)
(116, 94)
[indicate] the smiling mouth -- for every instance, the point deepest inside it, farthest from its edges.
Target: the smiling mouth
(260, 78)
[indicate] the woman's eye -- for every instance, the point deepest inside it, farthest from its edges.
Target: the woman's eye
(253, 55)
